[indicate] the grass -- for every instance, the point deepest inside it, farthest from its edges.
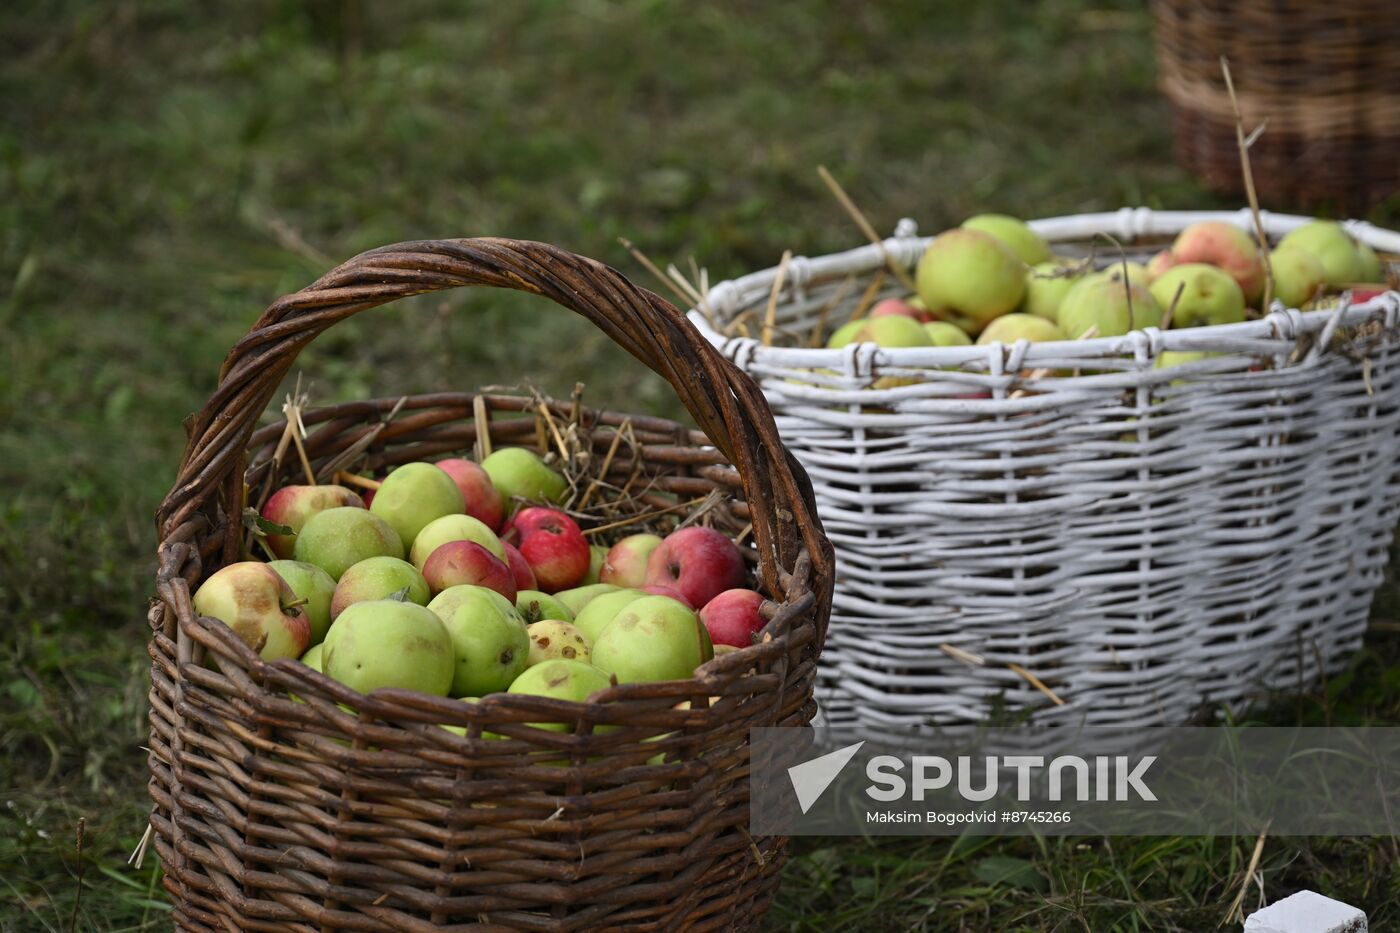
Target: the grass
(167, 169)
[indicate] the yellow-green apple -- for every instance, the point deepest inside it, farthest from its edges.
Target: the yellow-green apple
(698, 561)
(291, 506)
(1371, 269)
(489, 640)
(661, 589)
(562, 679)
(520, 474)
(1159, 264)
(483, 500)
(654, 638)
(1208, 295)
(1047, 283)
(554, 547)
(898, 307)
(575, 599)
(253, 600)
(389, 643)
(1028, 245)
(378, 578)
(732, 617)
(601, 610)
(626, 563)
(519, 567)
(1114, 307)
(944, 334)
(1298, 275)
(1333, 247)
(453, 528)
(1010, 328)
(415, 494)
(314, 585)
(337, 539)
(597, 555)
(1134, 272)
(893, 331)
(312, 658)
(972, 273)
(551, 638)
(844, 334)
(1168, 358)
(1217, 243)
(534, 606)
(459, 562)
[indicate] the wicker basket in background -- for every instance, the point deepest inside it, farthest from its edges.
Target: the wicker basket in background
(1065, 529)
(1324, 75)
(336, 811)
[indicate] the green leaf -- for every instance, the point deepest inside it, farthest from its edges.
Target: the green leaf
(262, 527)
(1016, 872)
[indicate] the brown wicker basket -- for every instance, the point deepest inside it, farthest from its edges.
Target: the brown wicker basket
(1324, 75)
(337, 811)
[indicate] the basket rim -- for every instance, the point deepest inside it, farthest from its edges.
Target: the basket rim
(1127, 223)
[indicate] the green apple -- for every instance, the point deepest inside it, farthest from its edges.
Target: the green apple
(601, 610)
(379, 578)
(944, 334)
(1169, 358)
(387, 643)
(337, 539)
(312, 658)
(490, 643)
(415, 494)
(1010, 328)
(291, 506)
(1114, 307)
(562, 679)
(893, 331)
(252, 599)
(520, 474)
(439, 531)
(551, 638)
(1333, 247)
(1298, 275)
(844, 334)
(575, 599)
(1023, 241)
(534, 606)
(1371, 269)
(1048, 283)
(972, 273)
(1227, 247)
(1208, 295)
(312, 584)
(654, 638)
(1134, 272)
(597, 554)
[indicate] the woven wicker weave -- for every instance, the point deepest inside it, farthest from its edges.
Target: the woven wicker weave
(1324, 76)
(336, 811)
(1137, 540)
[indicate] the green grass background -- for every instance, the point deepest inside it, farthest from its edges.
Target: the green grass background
(168, 168)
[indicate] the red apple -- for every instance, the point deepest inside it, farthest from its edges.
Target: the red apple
(732, 617)
(700, 562)
(458, 562)
(554, 547)
(626, 563)
(659, 589)
(484, 502)
(294, 505)
(519, 568)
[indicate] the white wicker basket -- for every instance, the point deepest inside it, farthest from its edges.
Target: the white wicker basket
(1140, 541)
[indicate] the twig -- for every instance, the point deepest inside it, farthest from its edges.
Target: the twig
(554, 431)
(1249, 184)
(346, 478)
(1171, 308)
(815, 340)
(772, 312)
(138, 854)
(967, 657)
(292, 410)
(865, 227)
(1235, 915)
(635, 519)
(1036, 682)
(867, 297)
(607, 462)
(483, 428)
(77, 898)
(651, 267)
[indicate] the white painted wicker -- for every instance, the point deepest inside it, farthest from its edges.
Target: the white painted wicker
(1140, 540)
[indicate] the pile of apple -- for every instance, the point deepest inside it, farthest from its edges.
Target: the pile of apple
(435, 586)
(995, 279)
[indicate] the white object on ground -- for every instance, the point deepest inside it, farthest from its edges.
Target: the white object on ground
(1306, 912)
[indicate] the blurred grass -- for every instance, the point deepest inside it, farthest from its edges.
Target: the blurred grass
(167, 169)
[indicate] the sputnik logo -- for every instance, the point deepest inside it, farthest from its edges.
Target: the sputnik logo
(811, 778)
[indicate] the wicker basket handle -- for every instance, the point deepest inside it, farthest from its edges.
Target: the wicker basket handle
(726, 404)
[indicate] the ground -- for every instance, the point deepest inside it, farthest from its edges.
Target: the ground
(167, 169)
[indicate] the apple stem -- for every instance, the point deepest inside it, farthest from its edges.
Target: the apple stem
(295, 604)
